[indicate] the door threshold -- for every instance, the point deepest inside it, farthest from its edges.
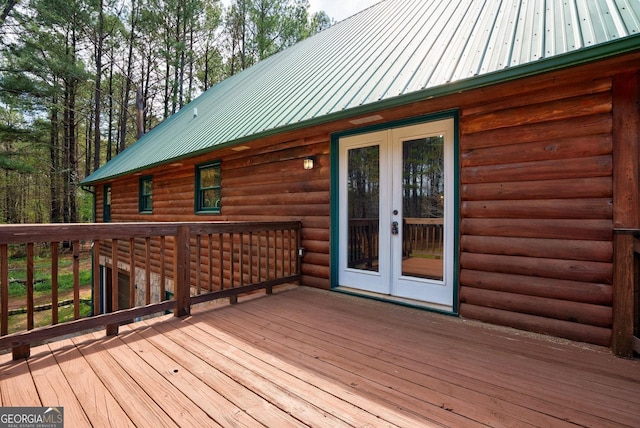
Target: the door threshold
(419, 304)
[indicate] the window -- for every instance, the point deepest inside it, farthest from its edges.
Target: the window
(208, 188)
(145, 194)
(106, 214)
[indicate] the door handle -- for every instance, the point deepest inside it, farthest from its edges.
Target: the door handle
(394, 228)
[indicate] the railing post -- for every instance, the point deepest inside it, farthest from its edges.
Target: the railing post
(20, 352)
(623, 284)
(182, 272)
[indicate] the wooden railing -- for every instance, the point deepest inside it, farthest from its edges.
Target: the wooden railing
(364, 237)
(194, 262)
(626, 293)
(420, 236)
(423, 236)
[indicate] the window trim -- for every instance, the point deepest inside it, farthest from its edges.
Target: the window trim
(198, 199)
(106, 203)
(141, 196)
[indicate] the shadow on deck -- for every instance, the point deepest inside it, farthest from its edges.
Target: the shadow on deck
(310, 357)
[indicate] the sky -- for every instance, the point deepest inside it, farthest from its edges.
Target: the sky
(340, 9)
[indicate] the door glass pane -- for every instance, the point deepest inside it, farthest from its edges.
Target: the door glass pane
(363, 202)
(423, 207)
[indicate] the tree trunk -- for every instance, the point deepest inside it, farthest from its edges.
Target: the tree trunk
(96, 100)
(127, 86)
(54, 150)
(110, 131)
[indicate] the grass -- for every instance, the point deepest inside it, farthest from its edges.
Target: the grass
(43, 318)
(17, 270)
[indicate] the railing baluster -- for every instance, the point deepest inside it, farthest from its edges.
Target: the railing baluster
(293, 249)
(250, 257)
(162, 268)
(132, 273)
(210, 261)
(112, 329)
(97, 298)
(268, 259)
(147, 270)
(114, 275)
(54, 283)
(198, 267)
(232, 268)
(221, 258)
(30, 304)
(241, 257)
(4, 289)
(75, 246)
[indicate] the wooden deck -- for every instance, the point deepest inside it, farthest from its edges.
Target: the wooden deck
(309, 357)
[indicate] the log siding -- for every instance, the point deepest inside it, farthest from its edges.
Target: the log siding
(537, 177)
(537, 158)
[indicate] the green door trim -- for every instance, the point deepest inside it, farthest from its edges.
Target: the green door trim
(334, 247)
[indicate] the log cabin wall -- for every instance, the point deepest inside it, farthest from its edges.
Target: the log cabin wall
(260, 184)
(536, 196)
(536, 232)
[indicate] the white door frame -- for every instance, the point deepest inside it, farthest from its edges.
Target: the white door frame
(388, 280)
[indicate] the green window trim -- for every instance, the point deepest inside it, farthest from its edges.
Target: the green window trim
(145, 194)
(208, 187)
(106, 213)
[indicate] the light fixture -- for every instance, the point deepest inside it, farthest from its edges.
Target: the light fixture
(308, 162)
(367, 119)
(240, 148)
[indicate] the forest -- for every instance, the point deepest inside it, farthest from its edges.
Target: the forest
(81, 80)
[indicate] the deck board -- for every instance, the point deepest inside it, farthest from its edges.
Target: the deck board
(307, 357)
(53, 387)
(99, 406)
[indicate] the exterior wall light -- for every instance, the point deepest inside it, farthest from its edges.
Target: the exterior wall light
(308, 162)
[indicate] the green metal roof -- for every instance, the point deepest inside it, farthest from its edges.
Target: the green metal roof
(395, 52)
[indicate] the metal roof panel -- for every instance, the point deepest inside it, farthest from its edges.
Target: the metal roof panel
(393, 51)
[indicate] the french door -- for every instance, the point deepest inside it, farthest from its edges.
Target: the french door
(396, 206)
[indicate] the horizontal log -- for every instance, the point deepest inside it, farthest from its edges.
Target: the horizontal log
(315, 271)
(596, 187)
(173, 206)
(596, 230)
(296, 210)
(316, 246)
(584, 105)
(596, 124)
(561, 87)
(565, 148)
(173, 192)
(279, 199)
(556, 169)
(597, 251)
(312, 281)
(573, 270)
(583, 313)
(585, 292)
(316, 234)
(569, 330)
(597, 208)
(317, 185)
(316, 258)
